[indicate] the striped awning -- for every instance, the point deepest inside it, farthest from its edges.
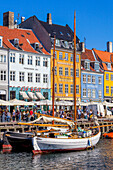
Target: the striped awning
(39, 95)
(32, 95)
(24, 95)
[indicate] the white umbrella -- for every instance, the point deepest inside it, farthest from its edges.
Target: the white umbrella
(16, 102)
(5, 103)
(43, 102)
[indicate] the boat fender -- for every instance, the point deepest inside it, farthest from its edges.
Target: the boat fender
(88, 142)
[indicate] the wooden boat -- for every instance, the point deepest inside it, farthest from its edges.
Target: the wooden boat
(57, 142)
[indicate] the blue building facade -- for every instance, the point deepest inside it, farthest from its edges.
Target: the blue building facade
(92, 86)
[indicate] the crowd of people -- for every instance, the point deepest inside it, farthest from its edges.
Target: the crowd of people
(30, 115)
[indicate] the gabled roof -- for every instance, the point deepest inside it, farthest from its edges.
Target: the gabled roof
(103, 55)
(26, 38)
(88, 55)
(61, 32)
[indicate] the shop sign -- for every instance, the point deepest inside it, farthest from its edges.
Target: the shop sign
(2, 92)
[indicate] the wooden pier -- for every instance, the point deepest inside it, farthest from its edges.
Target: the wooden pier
(83, 123)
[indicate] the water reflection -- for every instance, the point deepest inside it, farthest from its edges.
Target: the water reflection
(99, 158)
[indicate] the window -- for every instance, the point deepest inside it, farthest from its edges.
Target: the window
(21, 59)
(66, 44)
(21, 76)
(60, 56)
(93, 79)
(55, 87)
(109, 66)
(107, 76)
(84, 92)
(77, 89)
(55, 55)
(77, 73)
(71, 88)
(71, 70)
(97, 66)
(89, 79)
(84, 78)
(2, 75)
(37, 61)
(30, 77)
(111, 77)
(37, 78)
(12, 75)
(0, 41)
(45, 78)
(71, 58)
(55, 70)
(111, 90)
(60, 71)
(45, 62)
(93, 93)
(66, 88)
(100, 93)
(12, 57)
(77, 58)
(3, 58)
(29, 60)
(66, 56)
(66, 71)
(89, 92)
(60, 88)
(57, 42)
(107, 89)
(99, 80)
(87, 65)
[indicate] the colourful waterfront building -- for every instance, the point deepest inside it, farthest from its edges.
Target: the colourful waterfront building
(46, 31)
(92, 78)
(106, 61)
(28, 63)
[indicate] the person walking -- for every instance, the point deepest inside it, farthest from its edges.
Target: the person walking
(13, 117)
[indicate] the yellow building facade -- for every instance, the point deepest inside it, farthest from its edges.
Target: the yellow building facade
(108, 85)
(64, 74)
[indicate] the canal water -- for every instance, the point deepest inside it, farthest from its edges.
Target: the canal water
(99, 158)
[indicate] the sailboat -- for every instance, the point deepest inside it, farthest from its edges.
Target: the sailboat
(71, 141)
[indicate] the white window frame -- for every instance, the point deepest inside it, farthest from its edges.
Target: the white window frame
(66, 71)
(21, 76)
(45, 78)
(93, 93)
(84, 78)
(77, 89)
(100, 93)
(89, 93)
(60, 71)
(66, 56)
(71, 58)
(30, 60)
(89, 78)
(66, 88)
(107, 89)
(37, 61)
(30, 77)
(60, 88)
(60, 56)
(37, 77)
(84, 92)
(3, 75)
(71, 88)
(93, 79)
(12, 75)
(99, 80)
(107, 76)
(45, 62)
(2, 58)
(12, 57)
(21, 58)
(71, 72)
(77, 72)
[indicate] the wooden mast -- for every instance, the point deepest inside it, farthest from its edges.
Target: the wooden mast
(74, 71)
(53, 89)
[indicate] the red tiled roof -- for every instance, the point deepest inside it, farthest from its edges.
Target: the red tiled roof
(88, 55)
(103, 55)
(26, 37)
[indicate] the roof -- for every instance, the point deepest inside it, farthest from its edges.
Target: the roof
(103, 55)
(88, 55)
(61, 32)
(26, 38)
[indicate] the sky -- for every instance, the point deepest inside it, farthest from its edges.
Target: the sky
(94, 18)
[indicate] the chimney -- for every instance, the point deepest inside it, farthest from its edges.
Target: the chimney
(22, 19)
(8, 19)
(109, 46)
(82, 47)
(49, 19)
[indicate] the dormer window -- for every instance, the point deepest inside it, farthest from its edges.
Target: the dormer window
(16, 42)
(87, 65)
(109, 66)
(97, 66)
(66, 44)
(1, 41)
(36, 46)
(57, 42)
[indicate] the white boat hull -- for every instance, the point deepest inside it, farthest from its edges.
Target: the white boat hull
(41, 144)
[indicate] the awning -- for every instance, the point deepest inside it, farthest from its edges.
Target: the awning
(64, 98)
(39, 95)
(32, 95)
(24, 95)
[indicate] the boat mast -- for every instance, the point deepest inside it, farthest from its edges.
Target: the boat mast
(74, 71)
(53, 91)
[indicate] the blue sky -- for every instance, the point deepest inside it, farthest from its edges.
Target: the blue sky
(94, 17)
